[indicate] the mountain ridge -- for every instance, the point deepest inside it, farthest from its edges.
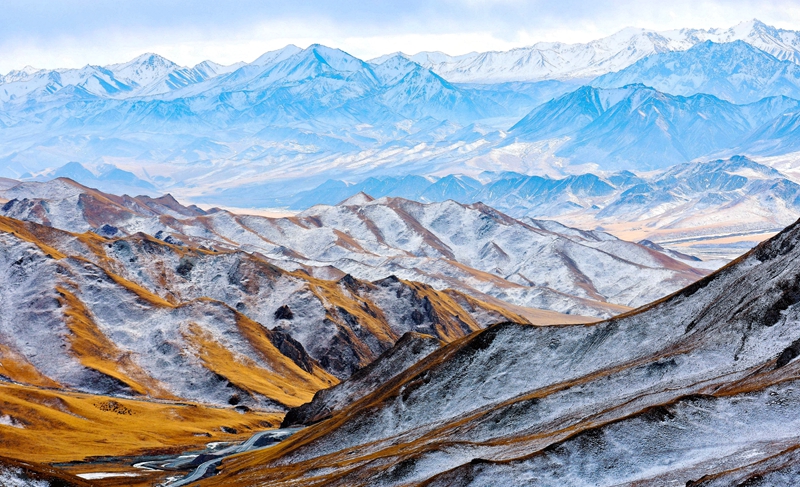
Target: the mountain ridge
(429, 244)
(735, 72)
(555, 60)
(515, 404)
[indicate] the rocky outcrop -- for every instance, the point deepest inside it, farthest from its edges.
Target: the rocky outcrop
(410, 349)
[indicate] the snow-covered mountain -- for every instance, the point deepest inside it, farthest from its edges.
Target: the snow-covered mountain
(136, 315)
(559, 61)
(470, 248)
(690, 201)
(636, 127)
(142, 70)
(696, 389)
(148, 74)
(736, 72)
(259, 134)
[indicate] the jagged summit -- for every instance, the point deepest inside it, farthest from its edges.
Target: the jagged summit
(357, 199)
(143, 69)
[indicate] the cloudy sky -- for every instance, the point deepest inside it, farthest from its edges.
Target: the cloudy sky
(73, 33)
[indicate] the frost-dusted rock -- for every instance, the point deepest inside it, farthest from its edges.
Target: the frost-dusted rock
(410, 349)
(696, 389)
(16, 473)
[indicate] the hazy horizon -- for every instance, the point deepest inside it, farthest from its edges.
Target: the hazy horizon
(76, 33)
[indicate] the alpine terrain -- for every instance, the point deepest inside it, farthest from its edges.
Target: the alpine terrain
(561, 264)
(694, 389)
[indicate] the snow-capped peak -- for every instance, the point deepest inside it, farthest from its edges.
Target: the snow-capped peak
(143, 70)
(20, 74)
(272, 57)
(393, 68)
(335, 58)
(555, 60)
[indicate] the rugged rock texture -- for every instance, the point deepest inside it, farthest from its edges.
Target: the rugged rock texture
(140, 316)
(700, 387)
(410, 349)
(471, 248)
(14, 473)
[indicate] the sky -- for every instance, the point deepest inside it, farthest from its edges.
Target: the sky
(73, 33)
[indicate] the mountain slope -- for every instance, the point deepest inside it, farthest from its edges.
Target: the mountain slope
(554, 60)
(646, 397)
(68, 321)
(471, 248)
(410, 349)
(651, 130)
(736, 72)
(80, 426)
(206, 320)
(636, 127)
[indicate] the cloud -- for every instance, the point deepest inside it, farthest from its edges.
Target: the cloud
(72, 33)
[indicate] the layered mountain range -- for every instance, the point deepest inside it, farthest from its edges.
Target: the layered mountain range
(410, 312)
(695, 389)
(209, 324)
(734, 196)
(471, 248)
(259, 133)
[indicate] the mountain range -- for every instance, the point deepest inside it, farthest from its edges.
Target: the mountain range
(735, 72)
(695, 389)
(409, 312)
(639, 128)
(192, 295)
(560, 61)
(690, 201)
(211, 324)
(474, 249)
(296, 117)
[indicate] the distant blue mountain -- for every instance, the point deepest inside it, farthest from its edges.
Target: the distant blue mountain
(111, 179)
(779, 136)
(294, 118)
(736, 72)
(507, 190)
(687, 188)
(714, 184)
(637, 127)
(561, 116)
(74, 171)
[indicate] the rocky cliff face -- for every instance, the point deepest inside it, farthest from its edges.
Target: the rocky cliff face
(695, 389)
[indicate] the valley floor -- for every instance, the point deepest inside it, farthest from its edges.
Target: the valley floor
(93, 434)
